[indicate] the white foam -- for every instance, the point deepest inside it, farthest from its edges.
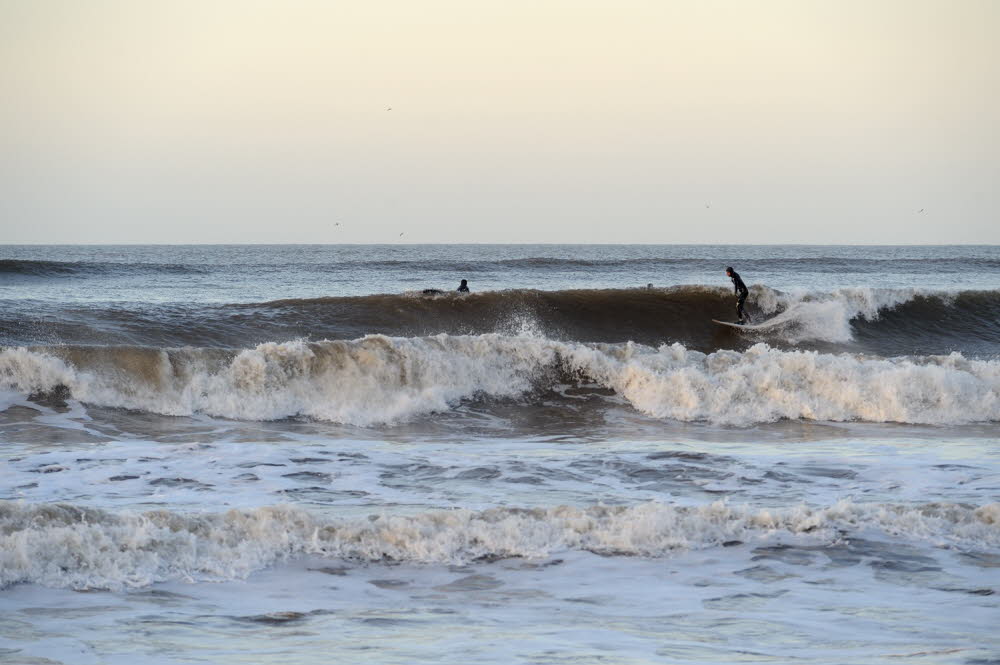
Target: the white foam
(26, 371)
(66, 546)
(379, 379)
(826, 316)
(765, 384)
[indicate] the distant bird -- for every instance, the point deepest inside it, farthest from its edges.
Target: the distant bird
(389, 109)
(707, 206)
(337, 224)
(401, 235)
(920, 211)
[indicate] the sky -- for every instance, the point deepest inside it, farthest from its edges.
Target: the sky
(562, 121)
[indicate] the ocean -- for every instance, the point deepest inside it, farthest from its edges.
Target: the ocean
(291, 454)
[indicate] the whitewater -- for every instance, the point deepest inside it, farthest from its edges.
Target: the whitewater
(292, 454)
(379, 380)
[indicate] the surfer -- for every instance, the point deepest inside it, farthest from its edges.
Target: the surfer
(463, 287)
(741, 291)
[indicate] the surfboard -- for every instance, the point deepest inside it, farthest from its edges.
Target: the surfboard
(745, 326)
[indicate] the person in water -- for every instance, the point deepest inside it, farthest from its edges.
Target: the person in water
(463, 287)
(741, 291)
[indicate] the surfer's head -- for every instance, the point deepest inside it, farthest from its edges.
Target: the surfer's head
(464, 283)
(729, 271)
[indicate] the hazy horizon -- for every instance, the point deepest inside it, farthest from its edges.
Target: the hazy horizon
(555, 244)
(307, 122)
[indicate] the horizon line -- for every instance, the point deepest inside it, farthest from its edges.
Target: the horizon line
(443, 244)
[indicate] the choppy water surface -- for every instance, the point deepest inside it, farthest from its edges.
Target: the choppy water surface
(286, 454)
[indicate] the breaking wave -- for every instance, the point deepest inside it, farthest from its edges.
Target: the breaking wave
(62, 545)
(887, 322)
(377, 379)
(654, 315)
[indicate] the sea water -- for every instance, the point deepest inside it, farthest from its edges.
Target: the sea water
(291, 454)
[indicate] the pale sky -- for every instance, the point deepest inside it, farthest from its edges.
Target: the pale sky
(621, 121)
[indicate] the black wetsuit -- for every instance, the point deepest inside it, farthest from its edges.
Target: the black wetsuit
(740, 289)
(463, 287)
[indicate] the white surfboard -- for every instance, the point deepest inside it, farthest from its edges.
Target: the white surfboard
(745, 326)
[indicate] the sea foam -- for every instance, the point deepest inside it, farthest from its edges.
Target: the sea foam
(62, 545)
(378, 379)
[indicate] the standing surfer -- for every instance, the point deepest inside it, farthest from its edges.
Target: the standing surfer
(741, 291)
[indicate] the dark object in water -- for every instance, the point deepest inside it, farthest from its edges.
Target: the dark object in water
(55, 397)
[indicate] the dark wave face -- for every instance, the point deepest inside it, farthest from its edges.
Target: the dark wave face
(967, 322)
(885, 322)
(647, 316)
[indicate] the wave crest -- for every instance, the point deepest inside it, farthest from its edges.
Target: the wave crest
(379, 379)
(886, 322)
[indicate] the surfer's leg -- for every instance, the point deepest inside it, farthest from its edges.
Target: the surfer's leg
(739, 307)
